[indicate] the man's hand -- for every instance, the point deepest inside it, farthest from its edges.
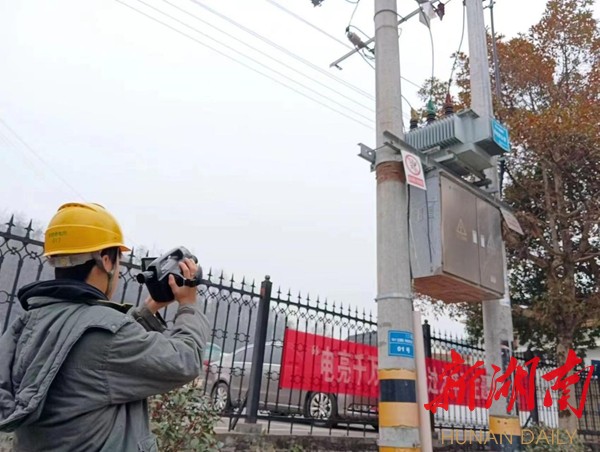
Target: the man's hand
(184, 294)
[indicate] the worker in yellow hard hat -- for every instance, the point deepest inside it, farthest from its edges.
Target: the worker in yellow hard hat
(85, 242)
(77, 369)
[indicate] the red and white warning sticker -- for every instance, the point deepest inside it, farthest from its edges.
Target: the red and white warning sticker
(414, 170)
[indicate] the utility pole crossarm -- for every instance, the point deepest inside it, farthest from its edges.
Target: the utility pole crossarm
(356, 50)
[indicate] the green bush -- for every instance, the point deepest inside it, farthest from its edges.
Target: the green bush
(184, 419)
(557, 441)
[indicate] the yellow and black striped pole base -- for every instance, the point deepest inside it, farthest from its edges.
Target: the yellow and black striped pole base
(505, 434)
(398, 411)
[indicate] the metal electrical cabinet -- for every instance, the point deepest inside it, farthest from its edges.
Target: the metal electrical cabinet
(455, 242)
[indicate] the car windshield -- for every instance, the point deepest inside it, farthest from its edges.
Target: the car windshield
(243, 354)
(212, 352)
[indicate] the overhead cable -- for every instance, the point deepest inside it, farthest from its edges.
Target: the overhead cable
(370, 126)
(39, 157)
(281, 48)
(301, 19)
(265, 54)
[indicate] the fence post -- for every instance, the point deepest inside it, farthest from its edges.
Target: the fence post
(535, 414)
(258, 356)
(427, 343)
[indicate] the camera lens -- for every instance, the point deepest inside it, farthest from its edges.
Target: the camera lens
(143, 277)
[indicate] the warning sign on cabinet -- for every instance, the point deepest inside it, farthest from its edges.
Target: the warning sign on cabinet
(414, 170)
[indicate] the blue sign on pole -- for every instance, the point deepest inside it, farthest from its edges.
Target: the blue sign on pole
(401, 343)
(500, 135)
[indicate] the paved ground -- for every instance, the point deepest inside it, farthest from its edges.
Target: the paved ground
(301, 428)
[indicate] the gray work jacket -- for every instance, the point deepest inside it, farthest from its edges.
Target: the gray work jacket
(75, 376)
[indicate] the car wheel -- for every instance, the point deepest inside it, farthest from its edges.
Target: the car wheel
(220, 397)
(321, 406)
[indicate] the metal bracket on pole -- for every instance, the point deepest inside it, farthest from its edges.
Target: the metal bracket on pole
(398, 144)
(429, 163)
(367, 153)
(352, 52)
(370, 154)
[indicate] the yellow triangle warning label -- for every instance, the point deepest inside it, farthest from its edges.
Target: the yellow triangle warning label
(461, 230)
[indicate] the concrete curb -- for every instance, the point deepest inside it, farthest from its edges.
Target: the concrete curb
(234, 442)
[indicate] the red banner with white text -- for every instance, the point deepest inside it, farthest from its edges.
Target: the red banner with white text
(318, 363)
(313, 362)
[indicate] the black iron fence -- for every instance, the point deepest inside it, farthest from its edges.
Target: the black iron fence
(293, 362)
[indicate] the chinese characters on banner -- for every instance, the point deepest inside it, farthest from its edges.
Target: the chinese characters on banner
(318, 363)
(313, 362)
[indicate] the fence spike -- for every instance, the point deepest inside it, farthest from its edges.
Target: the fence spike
(243, 282)
(29, 228)
(209, 273)
(279, 292)
(10, 224)
(253, 286)
(289, 295)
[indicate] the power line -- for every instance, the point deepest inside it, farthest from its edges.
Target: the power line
(462, 37)
(281, 49)
(411, 82)
(301, 19)
(365, 56)
(353, 12)
(262, 53)
(29, 161)
(352, 26)
(245, 65)
(39, 157)
(250, 58)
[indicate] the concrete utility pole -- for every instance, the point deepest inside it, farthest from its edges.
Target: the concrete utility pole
(398, 408)
(497, 318)
(495, 51)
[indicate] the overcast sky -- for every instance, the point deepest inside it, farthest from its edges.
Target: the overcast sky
(186, 146)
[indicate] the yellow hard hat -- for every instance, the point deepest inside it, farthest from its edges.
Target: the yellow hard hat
(82, 228)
